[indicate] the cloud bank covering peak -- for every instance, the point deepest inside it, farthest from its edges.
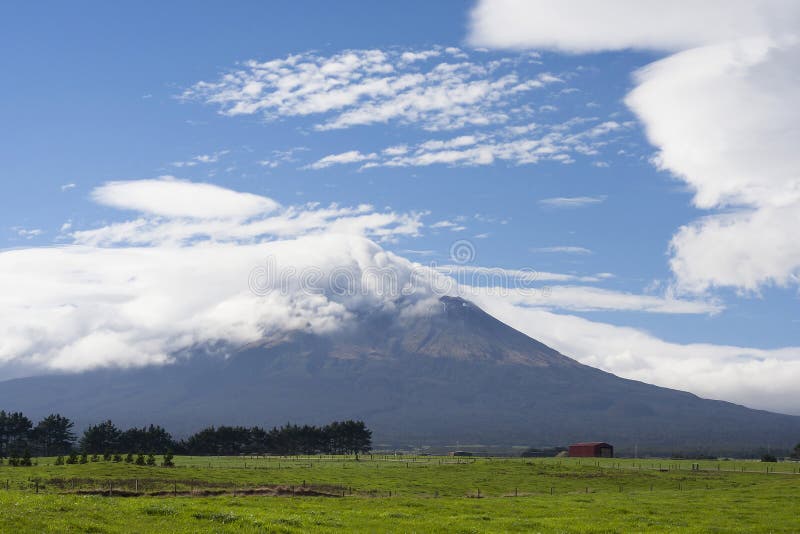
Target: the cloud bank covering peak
(145, 291)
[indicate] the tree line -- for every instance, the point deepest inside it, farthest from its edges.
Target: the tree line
(54, 436)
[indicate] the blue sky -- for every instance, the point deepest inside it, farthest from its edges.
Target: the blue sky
(106, 93)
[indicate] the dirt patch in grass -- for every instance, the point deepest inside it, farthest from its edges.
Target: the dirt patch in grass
(267, 491)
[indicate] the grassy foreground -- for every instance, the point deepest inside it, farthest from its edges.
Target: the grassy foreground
(428, 494)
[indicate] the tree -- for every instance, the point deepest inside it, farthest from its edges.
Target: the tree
(151, 459)
(129, 458)
(100, 438)
(152, 438)
(168, 461)
(140, 459)
(53, 435)
(796, 451)
(15, 431)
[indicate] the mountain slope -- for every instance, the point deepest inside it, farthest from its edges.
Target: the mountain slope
(456, 375)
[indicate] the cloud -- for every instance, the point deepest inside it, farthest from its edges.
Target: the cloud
(519, 145)
(563, 250)
(360, 87)
(352, 156)
(171, 197)
(589, 299)
(137, 293)
(202, 158)
(27, 233)
(76, 307)
(449, 225)
(723, 111)
(473, 275)
(760, 378)
(280, 157)
(572, 202)
(725, 118)
(743, 249)
(140, 299)
(580, 26)
(67, 187)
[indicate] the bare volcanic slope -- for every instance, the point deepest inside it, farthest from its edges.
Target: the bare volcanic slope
(457, 374)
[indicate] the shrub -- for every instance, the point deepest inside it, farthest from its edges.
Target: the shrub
(768, 458)
(73, 458)
(60, 460)
(168, 462)
(84, 458)
(151, 459)
(140, 459)
(129, 458)
(117, 458)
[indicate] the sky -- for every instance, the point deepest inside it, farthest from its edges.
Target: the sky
(617, 180)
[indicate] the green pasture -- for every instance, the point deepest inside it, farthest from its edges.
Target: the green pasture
(388, 493)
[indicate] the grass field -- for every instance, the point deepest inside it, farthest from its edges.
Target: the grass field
(401, 494)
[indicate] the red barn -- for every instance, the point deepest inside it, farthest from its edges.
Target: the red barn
(592, 449)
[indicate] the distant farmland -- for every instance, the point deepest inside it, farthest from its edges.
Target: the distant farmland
(401, 494)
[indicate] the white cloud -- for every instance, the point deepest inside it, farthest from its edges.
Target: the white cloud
(572, 202)
(755, 377)
(351, 156)
(726, 119)
(410, 57)
(202, 158)
(527, 288)
(67, 187)
(171, 197)
(186, 282)
(588, 299)
(519, 145)
(723, 111)
(473, 275)
(27, 233)
(280, 157)
(358, 87)
(76, 307)
(589, 26)
(743, 249)
(449, 225)
(563, 249)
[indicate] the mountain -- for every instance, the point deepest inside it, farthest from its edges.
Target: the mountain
(456, 375)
